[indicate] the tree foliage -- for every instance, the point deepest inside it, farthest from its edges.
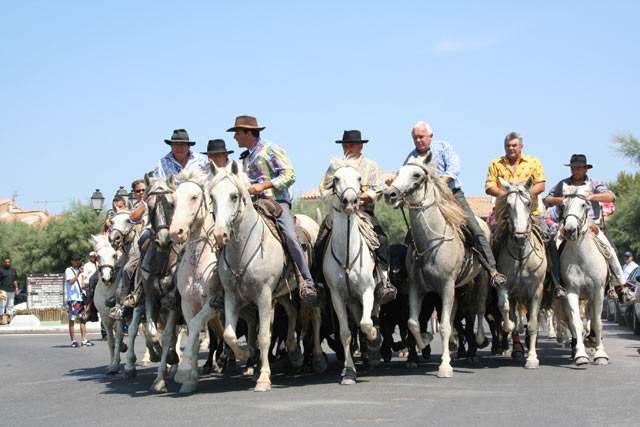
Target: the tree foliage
(48, 248)
(624, 183)
(627, 145)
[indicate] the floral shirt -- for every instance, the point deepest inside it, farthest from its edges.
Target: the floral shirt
(169, 164)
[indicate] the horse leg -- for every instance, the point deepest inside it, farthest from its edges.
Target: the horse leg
(264, 340)
(575, 324)
(293, 349)
(600, 357)
(482, 289)
(415, 302)
(445, 370)
(130, 365)
(231, 312)
(151, 337)
(250, 317)
(319, 358)
(187, 372)
(532, 328)
(169, 337)
(552, 330)
(349, 372)
(503, 306)
(113, 368)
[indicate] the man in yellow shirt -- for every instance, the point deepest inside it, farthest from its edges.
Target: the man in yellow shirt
(515, 166)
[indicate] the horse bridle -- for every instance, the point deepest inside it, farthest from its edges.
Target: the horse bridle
(202, 199)
(101, 266)
(153, 214)
(582, 221)
(117, 230)
(341, 195)
(413, 187)
(525, 234)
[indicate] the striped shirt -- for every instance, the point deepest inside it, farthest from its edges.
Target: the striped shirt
(371, 183)
(529, 166)
(267, 161)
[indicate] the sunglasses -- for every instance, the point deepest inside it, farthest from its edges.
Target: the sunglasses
(139, 191)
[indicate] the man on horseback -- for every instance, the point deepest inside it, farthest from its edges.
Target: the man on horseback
(217, 152)
(515, 166)
(371, 188)
(448, 170)
(599, 194)
(271, 174)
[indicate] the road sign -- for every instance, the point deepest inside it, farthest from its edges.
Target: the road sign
(45, 290)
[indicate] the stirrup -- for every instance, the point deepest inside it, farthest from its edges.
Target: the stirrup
(129, 301)
(385, 291)
(308, 295)
(116, 312)
(498, 280)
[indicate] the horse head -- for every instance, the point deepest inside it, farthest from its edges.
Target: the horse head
(191, 204)
(345, 180)
(106, 255)
(161, 206)
(408, 186)
(519, 203)
(121, 229)
(575, 210)
(229, 197)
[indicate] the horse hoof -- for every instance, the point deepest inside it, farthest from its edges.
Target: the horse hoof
(376, 344)
(182, 376)
(123, 348)
(262, 386)
(130, 373)
(188, 387)
(601, 361)
(403, 354)
(111, 370)
(427, 337)
(484, 343)
(348, 376)
(445, 372)
(145, 364)
(158, 386)
(248, 371)
(553, 337)
(320, 365)
(347, 381)
(296, 358)
(532, 364)
(581, 361)
(387, 355)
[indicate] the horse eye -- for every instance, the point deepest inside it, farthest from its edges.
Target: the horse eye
(234, 197)
(416, 175)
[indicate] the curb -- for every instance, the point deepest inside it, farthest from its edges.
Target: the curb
(92, 328)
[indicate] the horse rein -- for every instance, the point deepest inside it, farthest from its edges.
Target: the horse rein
(582, 221)
(117, 230)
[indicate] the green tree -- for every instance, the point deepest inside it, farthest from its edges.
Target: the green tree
(623, 183)
(627, 145)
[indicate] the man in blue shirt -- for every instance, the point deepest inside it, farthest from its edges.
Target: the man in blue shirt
(448, 168)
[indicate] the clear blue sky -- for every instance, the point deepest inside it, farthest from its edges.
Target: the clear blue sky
(91, 89)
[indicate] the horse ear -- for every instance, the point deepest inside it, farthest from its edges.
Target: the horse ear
(213, 168)
(504, 183)
(529, 183)
(428, 158)
(147, 181)
(234, 168)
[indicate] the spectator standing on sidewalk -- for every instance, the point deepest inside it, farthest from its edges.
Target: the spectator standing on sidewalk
(73, 290)
(9, 290)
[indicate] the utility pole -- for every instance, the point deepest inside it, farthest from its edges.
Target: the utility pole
(14, 196)
(45, 202)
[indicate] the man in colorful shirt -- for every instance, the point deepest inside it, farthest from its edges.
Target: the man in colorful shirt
(599, 194)
(271, 175)
(371, 188)
(448, 169)
(515, 166)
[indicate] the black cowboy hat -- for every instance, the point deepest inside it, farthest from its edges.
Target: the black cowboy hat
(216, 146)
(352, 136)
(179, 135)
(578, 160)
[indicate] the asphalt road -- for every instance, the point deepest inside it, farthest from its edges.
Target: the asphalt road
(44, 382)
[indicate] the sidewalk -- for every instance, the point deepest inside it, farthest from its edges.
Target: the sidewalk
(54, 327)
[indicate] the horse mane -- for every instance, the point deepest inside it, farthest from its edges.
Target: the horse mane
(453, 214)
(501, 213)
(241, 180)
(578, 190)
(99, 241)
(193, 174)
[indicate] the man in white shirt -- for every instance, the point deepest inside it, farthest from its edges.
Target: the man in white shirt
(73, 283)
(629, 264)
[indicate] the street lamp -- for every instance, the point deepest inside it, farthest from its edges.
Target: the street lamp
(97, 201)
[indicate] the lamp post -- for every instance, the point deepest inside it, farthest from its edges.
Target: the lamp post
(97, 201)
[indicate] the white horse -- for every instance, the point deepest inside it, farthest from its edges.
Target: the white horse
(197, 271)
(583, 269)
(348, 264)
(521, 256)
(436, 259)
(104, 290)
(252, 269)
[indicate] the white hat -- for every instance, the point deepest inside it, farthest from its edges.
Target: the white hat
(93, 253)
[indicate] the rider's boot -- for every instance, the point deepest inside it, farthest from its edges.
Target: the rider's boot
(385, 291)
(497, 279)
(308, 293)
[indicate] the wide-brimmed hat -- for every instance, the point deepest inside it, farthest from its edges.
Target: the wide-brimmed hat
(351, 136)
(628, 253)
(179, 135)
(245, 122)
(578, 160)
(217, 146)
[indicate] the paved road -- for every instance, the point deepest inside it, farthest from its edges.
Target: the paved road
(44, 382)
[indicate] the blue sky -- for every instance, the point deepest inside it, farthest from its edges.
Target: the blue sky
(91, 89)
